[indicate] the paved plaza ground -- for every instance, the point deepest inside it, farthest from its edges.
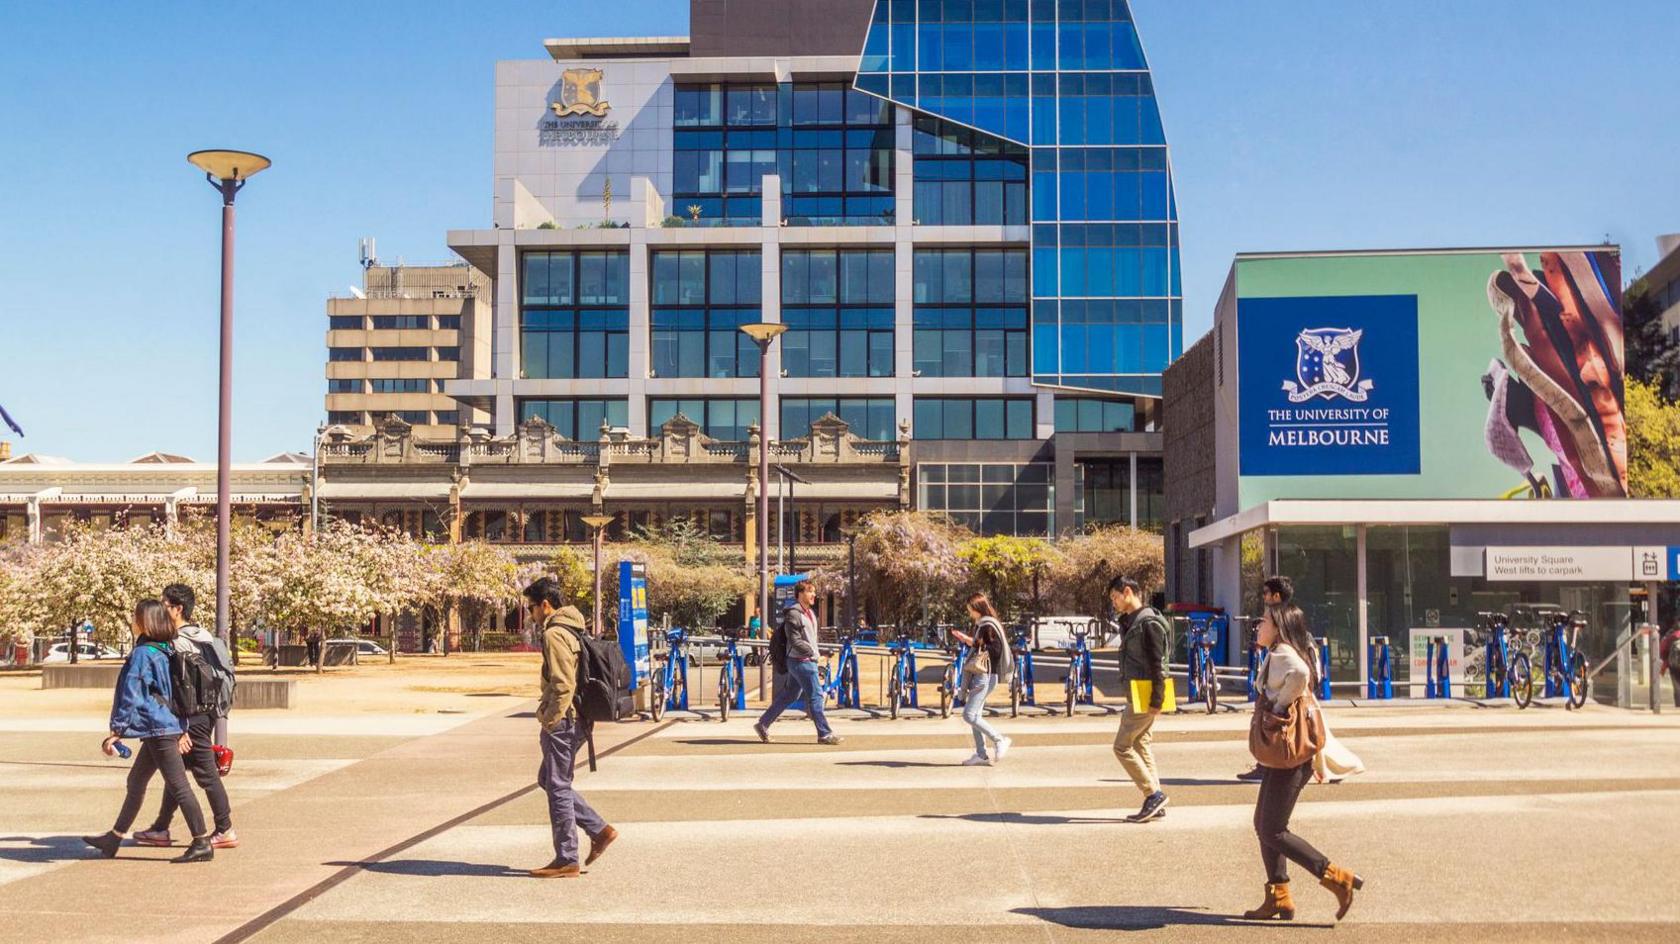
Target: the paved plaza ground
(397, 804)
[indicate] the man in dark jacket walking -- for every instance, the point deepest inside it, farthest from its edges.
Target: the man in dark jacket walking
(797, 636)
(1143, 657)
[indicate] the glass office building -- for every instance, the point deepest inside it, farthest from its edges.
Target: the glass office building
(961, 210)
(1060, 88)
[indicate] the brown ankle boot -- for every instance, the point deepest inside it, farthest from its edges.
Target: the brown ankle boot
(1342, 884)
(1278, 904)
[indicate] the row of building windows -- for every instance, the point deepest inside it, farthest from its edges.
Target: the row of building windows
(411, 417)
(386, 385)
(394, 322)
(728, 418)
(355, 354)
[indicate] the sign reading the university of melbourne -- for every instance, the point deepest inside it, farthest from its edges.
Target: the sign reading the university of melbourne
(579, 118)
(1328, 386)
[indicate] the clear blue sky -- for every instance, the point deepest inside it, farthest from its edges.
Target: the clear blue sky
(1294, 125)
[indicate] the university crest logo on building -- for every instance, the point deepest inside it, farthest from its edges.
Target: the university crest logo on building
(580, 94)
(1327, 365)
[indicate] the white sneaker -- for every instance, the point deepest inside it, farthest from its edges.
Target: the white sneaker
(1001, 747)
(977, 761)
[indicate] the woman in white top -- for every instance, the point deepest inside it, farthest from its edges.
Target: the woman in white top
(1290, 673)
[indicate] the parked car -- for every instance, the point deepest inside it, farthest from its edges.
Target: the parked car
(365, 648)
(60, 652)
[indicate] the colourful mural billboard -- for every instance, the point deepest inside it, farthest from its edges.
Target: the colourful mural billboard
(1470, 374)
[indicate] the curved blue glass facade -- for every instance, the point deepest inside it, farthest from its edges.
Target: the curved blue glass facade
(1068, 81)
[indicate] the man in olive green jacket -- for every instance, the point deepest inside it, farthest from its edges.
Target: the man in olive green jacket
(563, 733)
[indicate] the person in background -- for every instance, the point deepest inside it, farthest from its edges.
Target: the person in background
(980, 678)
(313, 644)
(1290, 673)
(1669, 652)
(178, 600)
(1274, 591)
(1143, 657)
(140, 708)
(798, 638)
(562, 734)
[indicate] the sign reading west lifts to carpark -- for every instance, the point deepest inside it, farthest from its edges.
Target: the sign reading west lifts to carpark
(1328, 386)
(1630, 564)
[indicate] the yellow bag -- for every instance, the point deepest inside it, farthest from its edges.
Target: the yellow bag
(1141, 689)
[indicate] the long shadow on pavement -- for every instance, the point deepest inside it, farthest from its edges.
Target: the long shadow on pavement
(46, 849)
(1028, 819)
(1147, 918)
(433, 868)
(894, 764)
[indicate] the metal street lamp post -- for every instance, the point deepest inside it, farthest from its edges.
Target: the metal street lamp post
(227, 171)
(763, 334)
(788, 477)
(598, 524)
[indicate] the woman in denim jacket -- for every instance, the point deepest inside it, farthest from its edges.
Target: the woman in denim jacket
(143, 708)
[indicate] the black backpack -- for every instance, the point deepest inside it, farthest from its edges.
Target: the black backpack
(195, 685)
(778, 650)
(603, 686)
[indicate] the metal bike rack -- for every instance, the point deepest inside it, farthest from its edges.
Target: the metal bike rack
(1380, 684)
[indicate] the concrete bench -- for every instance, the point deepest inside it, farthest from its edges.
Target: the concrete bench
(251, 693)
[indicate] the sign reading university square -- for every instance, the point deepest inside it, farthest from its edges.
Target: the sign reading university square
(1328, 386)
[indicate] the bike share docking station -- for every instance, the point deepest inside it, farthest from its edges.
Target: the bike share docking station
(1437, 682)
(1379, 685)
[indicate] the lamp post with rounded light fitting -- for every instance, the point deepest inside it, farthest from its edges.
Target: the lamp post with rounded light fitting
(227, 171)
(763, 334)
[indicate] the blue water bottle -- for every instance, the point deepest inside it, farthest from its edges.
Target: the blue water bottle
(122, 750)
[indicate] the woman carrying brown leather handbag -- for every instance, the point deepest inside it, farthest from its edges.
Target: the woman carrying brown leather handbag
(1286, 734)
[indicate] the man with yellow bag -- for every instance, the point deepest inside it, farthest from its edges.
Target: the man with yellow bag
(1143, 672)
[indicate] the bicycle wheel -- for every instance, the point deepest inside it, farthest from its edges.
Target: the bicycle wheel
(1015, 695)
(1522, 680)
(1210, 688)
(895, 694)
(1072, 690)
(679, 688)
(726, 692)
(946, 692)
(1577, 680)
(657, 697)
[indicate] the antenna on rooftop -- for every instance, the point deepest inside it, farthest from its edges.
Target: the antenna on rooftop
(370, 257)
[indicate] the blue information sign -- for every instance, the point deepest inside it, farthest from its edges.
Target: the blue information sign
(633, 620)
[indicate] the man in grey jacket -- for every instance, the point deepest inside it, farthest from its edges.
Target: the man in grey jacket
(799, 635)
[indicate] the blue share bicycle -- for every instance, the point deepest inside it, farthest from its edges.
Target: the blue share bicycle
(1021, 683)
(1565, 666)
(670, 683)
(842, 681)
(901, 682)
(732, 682)
(1203, 673)
(1080, 690)
(951, 683)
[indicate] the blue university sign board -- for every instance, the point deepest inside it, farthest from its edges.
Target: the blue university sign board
(1328, 386)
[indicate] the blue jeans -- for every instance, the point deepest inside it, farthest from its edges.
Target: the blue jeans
(975, 690)
(801, 680)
